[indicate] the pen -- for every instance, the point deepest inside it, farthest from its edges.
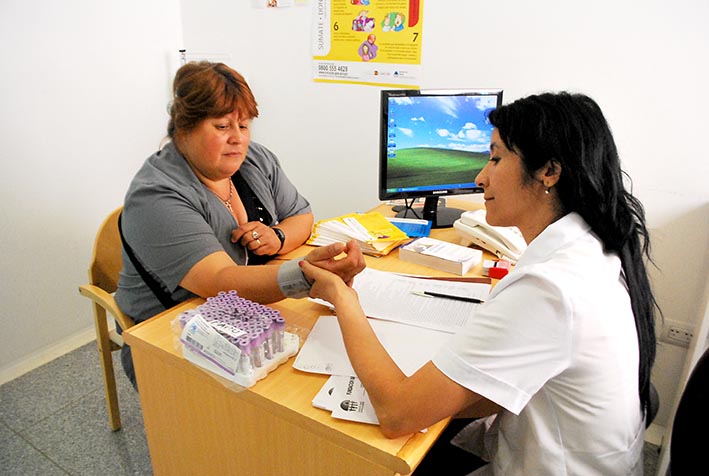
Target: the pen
(449, 296)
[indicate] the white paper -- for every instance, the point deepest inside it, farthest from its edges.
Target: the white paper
(409, 347)
(350, 400)
(389, 296)
(324, 398)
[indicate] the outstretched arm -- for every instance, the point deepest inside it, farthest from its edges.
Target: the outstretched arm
(218, 272)
(403, 404)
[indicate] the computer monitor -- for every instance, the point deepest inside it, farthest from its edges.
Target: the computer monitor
(432, 144)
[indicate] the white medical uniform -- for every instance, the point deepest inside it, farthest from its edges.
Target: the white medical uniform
(555, 345)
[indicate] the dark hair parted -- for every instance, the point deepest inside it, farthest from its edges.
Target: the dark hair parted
(572, 130)
(203, 90)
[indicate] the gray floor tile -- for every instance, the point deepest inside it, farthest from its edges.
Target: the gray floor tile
(19, 458)
(79, 439)
(55, 419)
(651, 453)
(47, 389)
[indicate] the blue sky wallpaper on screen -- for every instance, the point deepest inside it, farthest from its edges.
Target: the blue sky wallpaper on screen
(442, 122)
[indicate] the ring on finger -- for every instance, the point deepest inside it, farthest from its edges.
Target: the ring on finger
(254, 234)
(258, 242)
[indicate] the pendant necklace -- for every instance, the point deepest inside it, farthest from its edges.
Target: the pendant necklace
(227, 202)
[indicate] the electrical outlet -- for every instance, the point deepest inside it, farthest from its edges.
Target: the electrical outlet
(677, 334)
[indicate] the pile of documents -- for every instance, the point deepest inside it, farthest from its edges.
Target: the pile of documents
(375, 235)
(441, 255)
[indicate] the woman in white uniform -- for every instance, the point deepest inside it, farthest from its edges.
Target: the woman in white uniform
(558, 358)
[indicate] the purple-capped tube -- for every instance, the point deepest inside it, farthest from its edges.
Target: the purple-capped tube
(246, 367)
(279, 334)
(268, 341)
(256, 337)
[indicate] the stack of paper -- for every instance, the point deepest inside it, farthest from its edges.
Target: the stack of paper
(441, 255)
(399, 298)
(375, 234)
(345, 397)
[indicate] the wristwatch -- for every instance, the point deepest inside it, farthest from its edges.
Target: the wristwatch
(281, 236)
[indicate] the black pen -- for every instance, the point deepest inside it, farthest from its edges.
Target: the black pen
(450, 296)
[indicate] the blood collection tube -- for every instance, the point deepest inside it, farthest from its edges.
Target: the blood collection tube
(256, 337)
(280, 331)
(245, 365)
(268, 340)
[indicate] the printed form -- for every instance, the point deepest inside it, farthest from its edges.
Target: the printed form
(392, 297)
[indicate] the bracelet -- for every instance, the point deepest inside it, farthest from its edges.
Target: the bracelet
(281, 236)
(292, 281)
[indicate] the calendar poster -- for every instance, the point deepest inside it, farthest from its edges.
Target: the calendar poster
(376, 42)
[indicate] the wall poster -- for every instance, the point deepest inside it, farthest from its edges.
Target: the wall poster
(376, 42)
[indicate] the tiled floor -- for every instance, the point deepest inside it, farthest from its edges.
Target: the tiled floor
(53, 423)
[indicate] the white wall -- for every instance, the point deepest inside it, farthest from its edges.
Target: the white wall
(646, 64)
(83, 91)
(87, 93)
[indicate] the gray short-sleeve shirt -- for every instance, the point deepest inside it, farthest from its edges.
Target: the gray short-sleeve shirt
(172, 221)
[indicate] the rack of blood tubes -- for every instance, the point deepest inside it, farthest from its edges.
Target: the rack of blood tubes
(256, 330)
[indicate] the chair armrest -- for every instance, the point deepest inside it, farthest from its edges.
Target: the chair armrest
(106, 301)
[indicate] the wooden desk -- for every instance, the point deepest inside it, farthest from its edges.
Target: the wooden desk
(196, 425)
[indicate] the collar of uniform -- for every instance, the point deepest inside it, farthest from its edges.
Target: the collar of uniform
(554, 237)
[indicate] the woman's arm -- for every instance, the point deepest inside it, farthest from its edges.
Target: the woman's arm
(403, 404)
(218, 272)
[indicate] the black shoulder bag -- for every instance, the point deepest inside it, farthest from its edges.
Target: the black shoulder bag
(158, 289)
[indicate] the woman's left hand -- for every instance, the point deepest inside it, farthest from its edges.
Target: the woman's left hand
(257, 238)
(331, 258)
(326, 284)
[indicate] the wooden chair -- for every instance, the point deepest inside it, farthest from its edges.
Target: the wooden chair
(106, 263)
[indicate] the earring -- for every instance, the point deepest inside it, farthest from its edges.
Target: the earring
(546, 192)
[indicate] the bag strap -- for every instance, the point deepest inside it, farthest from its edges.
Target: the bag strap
(158, 289)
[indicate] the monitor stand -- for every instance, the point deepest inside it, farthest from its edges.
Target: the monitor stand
(439, 216)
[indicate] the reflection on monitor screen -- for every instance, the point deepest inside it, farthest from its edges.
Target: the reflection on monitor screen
(432, 144)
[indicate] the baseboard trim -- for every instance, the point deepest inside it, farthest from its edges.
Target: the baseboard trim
(46, 355)
(654, 434)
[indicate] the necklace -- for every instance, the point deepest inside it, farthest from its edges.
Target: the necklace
(227, 202)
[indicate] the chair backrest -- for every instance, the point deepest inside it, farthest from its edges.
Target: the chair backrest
(106, 261)
(687, 448)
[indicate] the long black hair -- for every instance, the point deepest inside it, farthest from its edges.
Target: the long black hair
(572, 130)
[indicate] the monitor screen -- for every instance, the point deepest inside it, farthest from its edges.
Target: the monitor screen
(433, 143)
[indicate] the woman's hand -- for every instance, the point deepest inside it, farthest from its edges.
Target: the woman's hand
(346, 267)
(257, 238)
(326, 284)
(263, 240)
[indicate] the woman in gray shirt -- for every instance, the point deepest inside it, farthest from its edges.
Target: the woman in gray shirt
(211, 202)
